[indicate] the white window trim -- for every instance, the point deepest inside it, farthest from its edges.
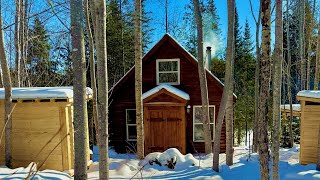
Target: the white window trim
(193, 122)
(157, 70)
(127, 126)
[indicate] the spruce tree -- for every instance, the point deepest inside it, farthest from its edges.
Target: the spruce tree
(42, 70)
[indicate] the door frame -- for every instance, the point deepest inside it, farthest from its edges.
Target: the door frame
(181, 107)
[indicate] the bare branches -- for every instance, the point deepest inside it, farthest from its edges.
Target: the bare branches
(54, 12)
(36, 14)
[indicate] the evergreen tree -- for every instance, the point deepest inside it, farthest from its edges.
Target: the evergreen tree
(244, 80)
(238, 41)
(42, 70)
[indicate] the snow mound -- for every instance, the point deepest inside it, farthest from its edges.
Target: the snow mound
(171, 158)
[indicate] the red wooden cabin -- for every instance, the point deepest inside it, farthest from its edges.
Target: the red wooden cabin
(171, 101)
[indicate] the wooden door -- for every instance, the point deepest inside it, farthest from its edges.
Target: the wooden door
(164, 128)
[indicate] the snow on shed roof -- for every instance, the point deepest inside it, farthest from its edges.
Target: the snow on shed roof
(309, 94)
(169, 88)
(42, 92)
(295, 107)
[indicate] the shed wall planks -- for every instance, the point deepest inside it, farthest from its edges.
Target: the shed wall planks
(41, 131)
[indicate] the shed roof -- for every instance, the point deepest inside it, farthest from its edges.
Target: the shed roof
(43, 92)
(169, 88)
(309, 94)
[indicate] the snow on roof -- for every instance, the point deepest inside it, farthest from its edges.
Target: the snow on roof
(42, 92)
(309, 94)
(169, 88)
(295, 107)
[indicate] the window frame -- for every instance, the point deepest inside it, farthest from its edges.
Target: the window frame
(193, 122)
(158, 73)
(127, 125)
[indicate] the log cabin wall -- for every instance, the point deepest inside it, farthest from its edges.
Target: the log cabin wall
(122, 96)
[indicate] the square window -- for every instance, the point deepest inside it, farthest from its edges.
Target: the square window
(168, 71)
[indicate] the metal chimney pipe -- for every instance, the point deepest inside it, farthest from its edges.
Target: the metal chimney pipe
(208, 51)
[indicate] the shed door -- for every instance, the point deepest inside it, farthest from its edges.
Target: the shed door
(164, 128)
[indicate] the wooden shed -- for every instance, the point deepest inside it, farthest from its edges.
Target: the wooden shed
(310, 125)
(42, 127)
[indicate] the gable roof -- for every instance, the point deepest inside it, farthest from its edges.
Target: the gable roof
(169, 88)
(168, 38)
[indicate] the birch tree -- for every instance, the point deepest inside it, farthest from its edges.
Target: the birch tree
(277, 77)
(203, 79)
(102, 79)
(79, 88)
(229, 104)
(227, 85)
(138, 78)
(265, 62)
(8, 97)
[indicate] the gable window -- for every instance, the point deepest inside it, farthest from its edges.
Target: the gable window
(198, 135)
(131, 125)
(168, 71)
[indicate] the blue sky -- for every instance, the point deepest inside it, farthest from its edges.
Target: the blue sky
(177, 9)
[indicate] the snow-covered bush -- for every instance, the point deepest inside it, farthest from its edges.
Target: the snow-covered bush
(172, 158)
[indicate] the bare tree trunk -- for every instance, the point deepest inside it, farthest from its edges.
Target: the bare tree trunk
(277, 78)
(138, 78)
(8, 97)
(256, 79)
(92, 68)
(264, 89)
(17, 42)
(229, 126)
(317, 68)
(289, 76)
(228, 84)
(302, 45)
(26, 42)
(203, 81)
(79, 89)
(101, 47)
(310, 39)
(22, 42)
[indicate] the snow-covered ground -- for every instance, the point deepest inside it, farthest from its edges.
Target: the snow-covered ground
(126, 166)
